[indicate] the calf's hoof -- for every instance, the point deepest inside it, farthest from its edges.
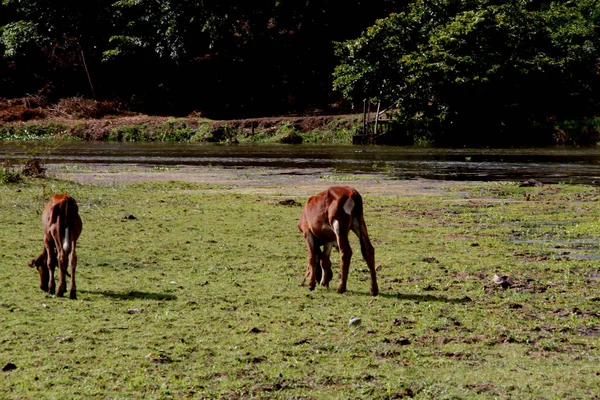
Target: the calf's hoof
(72, 295)
(374, 292)
(341, 290)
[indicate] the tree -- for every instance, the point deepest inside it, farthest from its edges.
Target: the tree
(275, 56)
(478, 71)
(228, 58)
(51, 42)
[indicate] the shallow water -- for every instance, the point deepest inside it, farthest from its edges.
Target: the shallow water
(548, 165)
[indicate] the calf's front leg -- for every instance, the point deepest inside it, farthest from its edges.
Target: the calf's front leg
(313, 260)
(325, 261)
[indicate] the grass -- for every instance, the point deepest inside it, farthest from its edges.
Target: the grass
(156, 129)
(199, 297)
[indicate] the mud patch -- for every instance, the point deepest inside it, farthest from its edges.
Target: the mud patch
(253, 180)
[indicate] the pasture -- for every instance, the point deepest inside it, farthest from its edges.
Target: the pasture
(192, 290)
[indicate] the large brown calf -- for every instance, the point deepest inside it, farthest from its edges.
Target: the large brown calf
(62, 227)
(326, 220)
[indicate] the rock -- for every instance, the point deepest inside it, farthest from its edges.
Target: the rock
(9, 367)
(289, 202)
(531, 183)
(505, 280)
(159, 358)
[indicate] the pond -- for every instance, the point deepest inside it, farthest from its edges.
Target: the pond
(548, 165)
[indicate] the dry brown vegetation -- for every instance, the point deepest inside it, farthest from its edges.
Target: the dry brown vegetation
(93, 120)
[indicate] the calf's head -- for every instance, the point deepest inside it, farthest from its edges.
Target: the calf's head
(41, 264)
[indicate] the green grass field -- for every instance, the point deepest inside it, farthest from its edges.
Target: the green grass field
(199, 297)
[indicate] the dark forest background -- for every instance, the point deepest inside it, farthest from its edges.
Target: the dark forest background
(450, 72)
(227, 59)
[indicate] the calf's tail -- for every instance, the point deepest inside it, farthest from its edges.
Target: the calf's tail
(67, 240)
(66, 220)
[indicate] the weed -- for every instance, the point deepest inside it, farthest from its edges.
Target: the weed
(32, 132)
(337, 175)
(163, 168)
(75, 168)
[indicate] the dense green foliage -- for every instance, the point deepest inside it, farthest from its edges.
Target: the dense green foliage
(199, 296)
(479, 71)
(233, 58)
(473, 72)
(284, 130)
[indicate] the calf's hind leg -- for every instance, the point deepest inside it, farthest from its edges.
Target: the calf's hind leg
(51, 263)
(73, 264)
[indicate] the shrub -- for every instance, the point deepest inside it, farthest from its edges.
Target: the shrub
(129, 133)
(583, 132)
(175, 131)
(81, 108)
(32, 131)
(291, 138)
(8, 174)
(224, 133)
(33, 167)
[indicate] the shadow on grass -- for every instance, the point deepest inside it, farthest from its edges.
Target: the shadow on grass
(417, 298)
(425, 297)
(132, 295)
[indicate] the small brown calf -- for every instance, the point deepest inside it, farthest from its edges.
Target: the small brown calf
(326, 220)
(62, 226)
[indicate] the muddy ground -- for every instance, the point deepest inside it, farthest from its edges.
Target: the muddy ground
(98, 117)
(252, 179)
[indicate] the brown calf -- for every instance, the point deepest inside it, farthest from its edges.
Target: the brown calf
(62, 227)
(326, 221)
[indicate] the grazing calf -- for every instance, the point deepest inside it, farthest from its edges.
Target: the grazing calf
(62, 227)
(326, 221)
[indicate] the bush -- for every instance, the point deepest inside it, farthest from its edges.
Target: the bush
(174, 131)
(584, 132)
(224, 133)
(8, 173)
(81, 108)
(33, 167)
(130, 133)
(32, 131)
(291, 138)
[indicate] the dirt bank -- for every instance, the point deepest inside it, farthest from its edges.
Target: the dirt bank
(92, 120)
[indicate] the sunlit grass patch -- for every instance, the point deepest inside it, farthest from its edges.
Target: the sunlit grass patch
(193, 291)
(163, 168)
(74, 168)
(340, 176)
